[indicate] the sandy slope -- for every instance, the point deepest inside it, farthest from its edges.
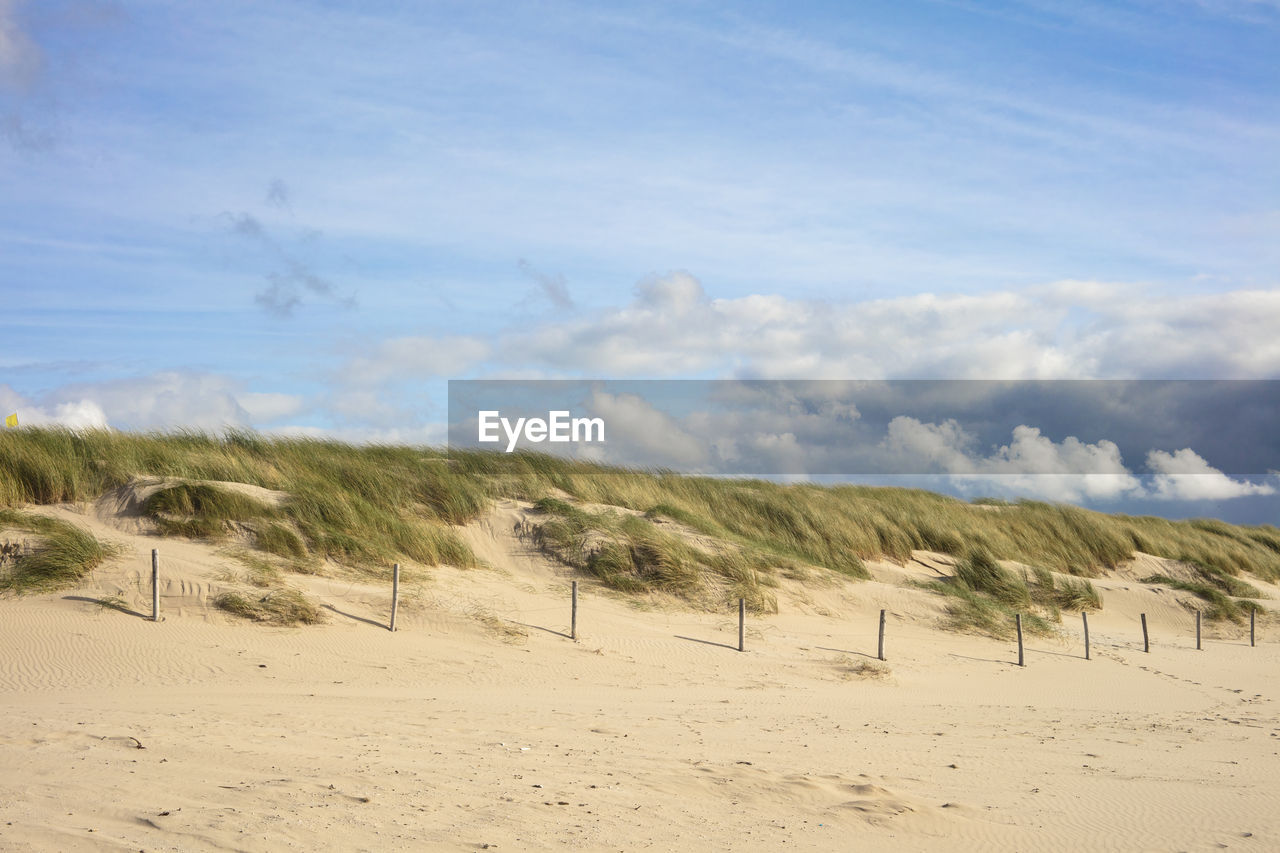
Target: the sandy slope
(479, 722)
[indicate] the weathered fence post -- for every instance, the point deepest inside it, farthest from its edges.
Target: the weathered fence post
(573, 617)
(1253, 615)
(742, 622)
(155, 585)
(880, 647)
(1018, 618)
(395, 593)
(1084, 615)
(1146, 640)
(1197, 630)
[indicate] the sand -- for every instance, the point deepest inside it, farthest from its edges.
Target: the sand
(480, 725)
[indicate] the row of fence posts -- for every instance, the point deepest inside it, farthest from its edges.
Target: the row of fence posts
(742, 616)
(1146, 636)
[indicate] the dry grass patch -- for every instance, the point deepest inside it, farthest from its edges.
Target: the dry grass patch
(283, 606)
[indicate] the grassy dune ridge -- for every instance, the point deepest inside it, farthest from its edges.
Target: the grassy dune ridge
(367, 506)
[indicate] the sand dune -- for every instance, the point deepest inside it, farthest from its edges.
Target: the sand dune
(479, 725)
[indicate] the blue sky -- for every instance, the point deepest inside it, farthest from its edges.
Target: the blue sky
(307, 216)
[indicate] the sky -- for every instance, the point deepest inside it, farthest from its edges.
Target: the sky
(306, 217)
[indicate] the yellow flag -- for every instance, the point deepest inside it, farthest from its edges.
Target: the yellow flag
(12, 420)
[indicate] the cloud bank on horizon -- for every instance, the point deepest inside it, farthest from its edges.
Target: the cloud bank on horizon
(303, 218)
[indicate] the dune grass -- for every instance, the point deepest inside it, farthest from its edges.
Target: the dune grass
(631, 553)
(1220, 605)
(201, 510)
(369, 506)
(282, 606)
(64, 554)
(983, 597)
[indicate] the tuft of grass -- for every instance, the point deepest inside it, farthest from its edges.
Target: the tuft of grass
(279, 540)
(1221, 607)
(283, 606)
(259, 571)
(864, 669)
(633, 555)
(200, 510)
(204, 501)
(984, 597)
(64, 555)
(980, 573)
(1076, 594)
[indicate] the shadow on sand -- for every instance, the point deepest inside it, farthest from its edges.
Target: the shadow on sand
(108, 605)
(707, 642)
(381, 625)
(564, 634)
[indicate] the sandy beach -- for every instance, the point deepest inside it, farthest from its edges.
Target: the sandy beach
(479, 725)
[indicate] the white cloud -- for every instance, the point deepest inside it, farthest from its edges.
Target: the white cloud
(80, 414)
(1069, 329)
(1185, 475)
(647, 436)
(267, 407)
(168, 399)
(1031, 465)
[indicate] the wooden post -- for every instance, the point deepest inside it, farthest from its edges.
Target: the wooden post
(880, 648)
(395, 593)
(1253, 615)
(1084, 615)
(742, 622)
(573, 618)
(1146, 640)
(155, 585)
(1019, 619)
(1197, 630)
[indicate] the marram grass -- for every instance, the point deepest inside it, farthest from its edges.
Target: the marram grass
(369, 506)
(63, 554)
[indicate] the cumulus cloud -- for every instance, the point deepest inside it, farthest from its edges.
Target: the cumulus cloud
(1184, 475)
(644, 435)
(1065, 330)
(1031, 464)
(168, 399)
(79, 414)
(1069, 329)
